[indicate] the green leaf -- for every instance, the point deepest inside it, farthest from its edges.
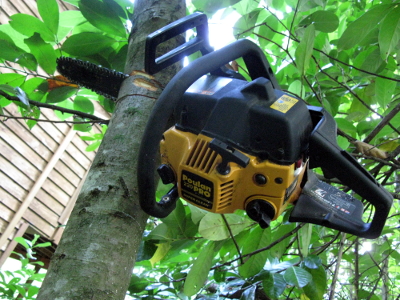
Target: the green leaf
(34, 113)
(312, 262)
(323, 20)
(274, 285)
(12, 79)
(9, 90)
(389, 33)
(278, 250)
(297, 276)
(33, 290)
(199, 272)
(373, 62)
(176, 221)
(9, 51)
(162, 250)
(211, 6)
(27, 60)
(346, 126)
(316, 288)
(305, 234)
(64, 104)
(197, 213)
(212, 226)
(102, 16)
(257, 239)
(71, 18)
(138, 284)
(361, 27)
(83, 104)
(160, 233)
(93, 146)
(86, 43)
(304, 50)
(245, 7)
(22, 241)
(43, 52)
(246, 22)
(384, 90)
(42, 245)
(60, 94)
(48, 10)
(85, 127)
(29, 25)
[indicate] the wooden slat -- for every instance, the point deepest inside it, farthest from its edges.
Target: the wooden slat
(81, 145)
(37, 138)
(19, 6)
(8, 10)
(5, 213)
(64, 169)
(50, 201)
(19, 162)
(23, 149)
(38, 184)
(10, 247)
(10, 187)
(14, 174)
(44, 213)
(53, 189)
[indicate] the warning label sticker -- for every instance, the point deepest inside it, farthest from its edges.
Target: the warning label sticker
(284, 103)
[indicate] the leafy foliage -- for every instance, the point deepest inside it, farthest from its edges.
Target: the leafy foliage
(21, 283)
(341, 55)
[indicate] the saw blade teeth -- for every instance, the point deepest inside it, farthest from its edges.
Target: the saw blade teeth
(101, 80)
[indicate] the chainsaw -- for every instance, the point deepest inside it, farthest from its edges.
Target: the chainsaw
(246, 145)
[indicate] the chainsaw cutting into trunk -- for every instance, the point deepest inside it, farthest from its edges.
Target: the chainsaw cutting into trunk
(246, 145)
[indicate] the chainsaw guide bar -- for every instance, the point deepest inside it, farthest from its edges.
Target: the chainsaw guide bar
(100, 80)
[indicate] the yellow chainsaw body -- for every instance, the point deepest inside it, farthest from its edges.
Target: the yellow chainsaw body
(199, 182)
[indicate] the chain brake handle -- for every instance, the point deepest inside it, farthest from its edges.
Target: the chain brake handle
(322, 204)
(200, 43)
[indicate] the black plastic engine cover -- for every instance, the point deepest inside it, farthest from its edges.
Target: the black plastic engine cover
(250, 116)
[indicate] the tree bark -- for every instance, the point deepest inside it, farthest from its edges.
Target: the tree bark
(96, 254)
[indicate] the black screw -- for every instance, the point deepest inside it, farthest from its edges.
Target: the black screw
(260, 179)
(279, 180)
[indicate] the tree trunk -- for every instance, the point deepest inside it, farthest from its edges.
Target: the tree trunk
(96, 254)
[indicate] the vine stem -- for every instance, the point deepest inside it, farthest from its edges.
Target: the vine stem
(336, 274)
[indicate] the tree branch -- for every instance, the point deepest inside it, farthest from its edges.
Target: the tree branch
(263, 249)
(336, 274)
(385, 121)
(55, 107)
(53, 121)
(233, 238)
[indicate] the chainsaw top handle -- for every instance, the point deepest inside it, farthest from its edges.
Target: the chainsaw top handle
(257, 66)
(199, 43)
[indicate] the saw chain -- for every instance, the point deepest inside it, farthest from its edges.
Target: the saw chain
(100, 80)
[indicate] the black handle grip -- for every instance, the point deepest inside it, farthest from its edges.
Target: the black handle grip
(325, 153)
(257, 65)
(199, 43)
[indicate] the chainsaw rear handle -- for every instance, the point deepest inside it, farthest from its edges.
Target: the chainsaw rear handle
(257, 66)
(325, 153)
(199, 43)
